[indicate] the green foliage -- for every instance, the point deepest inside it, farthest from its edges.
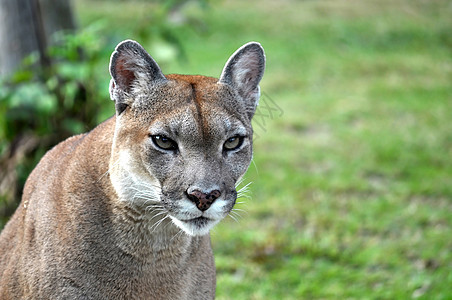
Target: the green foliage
(48, 105)
(36, 102)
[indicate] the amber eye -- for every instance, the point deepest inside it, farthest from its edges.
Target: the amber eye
(233, 143)
(163, 142)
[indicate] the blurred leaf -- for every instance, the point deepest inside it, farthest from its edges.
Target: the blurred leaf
(163, 51)
(74, 126)
(35, 97)
(22, 76)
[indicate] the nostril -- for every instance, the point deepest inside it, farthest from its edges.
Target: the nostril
(214, 194)
(202, 200)
(195, 196)
(192, 198)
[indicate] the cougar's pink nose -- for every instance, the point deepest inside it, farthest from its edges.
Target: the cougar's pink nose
(203, 201)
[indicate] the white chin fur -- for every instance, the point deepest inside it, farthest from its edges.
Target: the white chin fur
(191, 227)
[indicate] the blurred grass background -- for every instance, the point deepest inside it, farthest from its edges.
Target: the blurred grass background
(351, 194)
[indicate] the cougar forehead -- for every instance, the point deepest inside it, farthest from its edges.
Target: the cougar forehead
(204, 95)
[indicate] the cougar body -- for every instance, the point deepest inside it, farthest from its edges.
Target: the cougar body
(124, 211)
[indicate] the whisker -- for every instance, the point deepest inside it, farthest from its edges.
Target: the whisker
(148, 198)
(245, 188)
(146, 185)
(255, 166)
(154, 207)
(242, 193)
(108, 171)
(240, 202)
(233, 217)
(178, 234)
(158, 214)
(239, 181)
(243, 197)
(154, 227)
(236, 210)
(168, 224)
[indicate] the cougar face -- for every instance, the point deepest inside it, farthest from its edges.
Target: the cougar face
(182, 142)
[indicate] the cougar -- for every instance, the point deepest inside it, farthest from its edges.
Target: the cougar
(124, 211)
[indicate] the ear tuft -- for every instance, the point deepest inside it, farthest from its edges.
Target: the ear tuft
(243, 71)
(131, 65)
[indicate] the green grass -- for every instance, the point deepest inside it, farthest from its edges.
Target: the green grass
(352, 185)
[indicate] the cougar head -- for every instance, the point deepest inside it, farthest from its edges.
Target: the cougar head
(182, 142)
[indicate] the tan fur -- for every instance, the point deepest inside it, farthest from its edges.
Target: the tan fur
(105, 215)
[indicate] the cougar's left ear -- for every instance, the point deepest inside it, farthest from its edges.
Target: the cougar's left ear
(243, 71)
(130, 66)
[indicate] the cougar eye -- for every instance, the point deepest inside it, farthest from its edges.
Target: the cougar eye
(233, 143)
(163, 142)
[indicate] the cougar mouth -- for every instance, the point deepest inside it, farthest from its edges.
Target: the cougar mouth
(200, 221)
(196, 226)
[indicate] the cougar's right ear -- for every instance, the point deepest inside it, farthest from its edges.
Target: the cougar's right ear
(130, 67)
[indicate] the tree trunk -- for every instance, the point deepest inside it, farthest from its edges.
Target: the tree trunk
(26, 26)
(57, 16)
